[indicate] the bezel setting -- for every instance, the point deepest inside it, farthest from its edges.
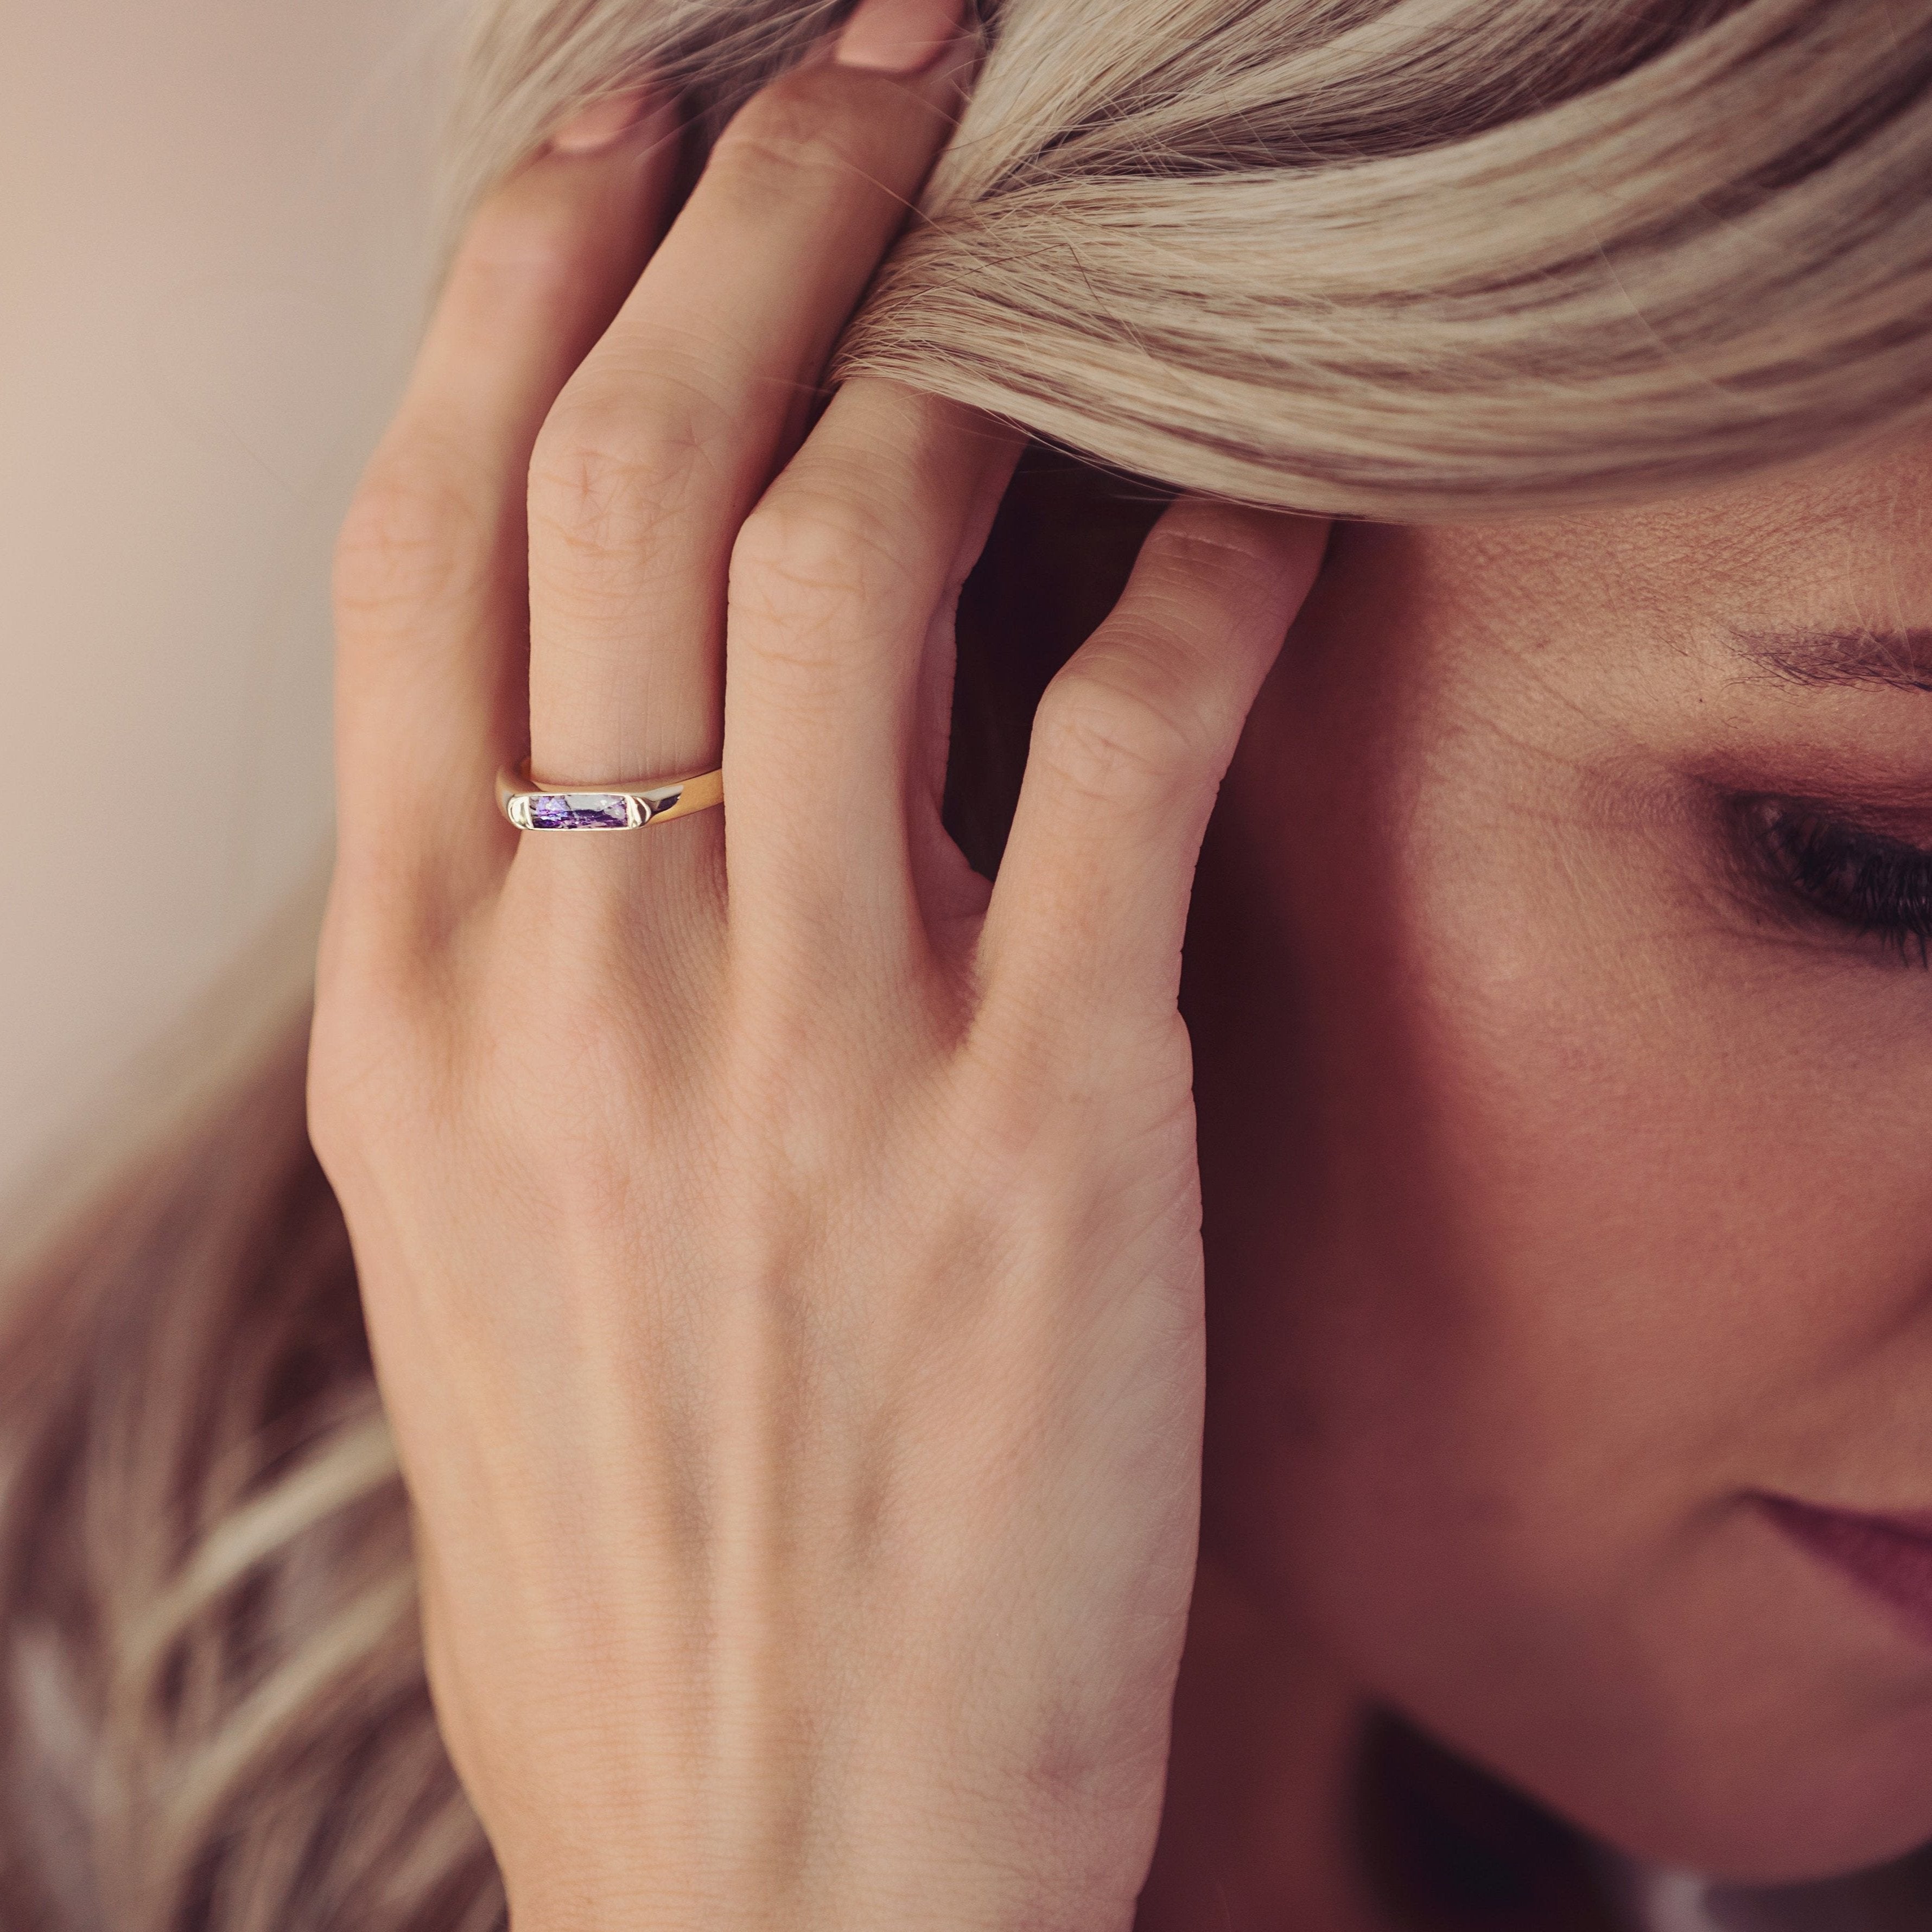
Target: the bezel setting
(532, 806)
(577, 811)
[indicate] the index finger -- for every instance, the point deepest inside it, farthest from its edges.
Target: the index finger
(1129, 745)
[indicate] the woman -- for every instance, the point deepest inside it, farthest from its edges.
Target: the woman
(781, 1250)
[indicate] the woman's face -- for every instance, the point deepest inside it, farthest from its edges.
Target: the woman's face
(1565, 1042)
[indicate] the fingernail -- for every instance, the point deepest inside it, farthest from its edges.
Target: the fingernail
(898, 36)
(601, 123)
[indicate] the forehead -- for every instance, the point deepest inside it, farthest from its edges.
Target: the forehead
(1860, 525)
(1843, 538)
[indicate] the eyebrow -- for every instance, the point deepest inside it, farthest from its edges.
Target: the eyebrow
(1892, 660)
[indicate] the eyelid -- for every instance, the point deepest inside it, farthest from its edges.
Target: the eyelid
(1859, 779)
(1910, 831)
(1865, 883)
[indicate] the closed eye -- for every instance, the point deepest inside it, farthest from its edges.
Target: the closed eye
(1861, 880)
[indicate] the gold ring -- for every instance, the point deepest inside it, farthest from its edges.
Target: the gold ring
(531, 806)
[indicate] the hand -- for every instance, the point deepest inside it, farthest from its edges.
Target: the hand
(780, 1249)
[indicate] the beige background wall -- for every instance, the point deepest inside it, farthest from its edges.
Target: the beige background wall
(212, 225)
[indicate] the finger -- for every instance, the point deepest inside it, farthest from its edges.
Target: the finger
(430, 568)
(839, 581)
(1128, 748)
(665, 438)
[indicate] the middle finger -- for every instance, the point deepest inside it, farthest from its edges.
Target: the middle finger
(665, 437)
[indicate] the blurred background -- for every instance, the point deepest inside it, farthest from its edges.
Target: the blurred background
(215, 229)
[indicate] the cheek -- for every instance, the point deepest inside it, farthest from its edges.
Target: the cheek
(1624, 1219)
(1659, 1183)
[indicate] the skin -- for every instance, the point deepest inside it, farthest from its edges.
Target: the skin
(1565, 1182)
(781, 1251)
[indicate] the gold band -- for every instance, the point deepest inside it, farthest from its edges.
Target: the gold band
(531, 806)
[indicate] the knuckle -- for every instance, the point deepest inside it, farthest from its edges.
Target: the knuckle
(1208, 571)
(812, 544)
(1116, 741)
(413, 535)
(340, 1100)
(362, 1068)
(603, 480)
(795, 137)
(1201, 549)
(1217, 572)
(517, 249)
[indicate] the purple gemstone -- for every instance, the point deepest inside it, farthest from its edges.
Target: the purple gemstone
(597, 811)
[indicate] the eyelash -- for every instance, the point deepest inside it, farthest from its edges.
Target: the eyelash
(1860, 881)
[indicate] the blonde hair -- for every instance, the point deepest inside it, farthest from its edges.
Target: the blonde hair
(1401, 259)
(1405, 259)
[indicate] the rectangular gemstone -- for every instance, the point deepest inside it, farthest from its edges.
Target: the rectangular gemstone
(595, 810)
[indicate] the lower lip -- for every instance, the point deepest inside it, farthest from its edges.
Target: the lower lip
(1892, 1557)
